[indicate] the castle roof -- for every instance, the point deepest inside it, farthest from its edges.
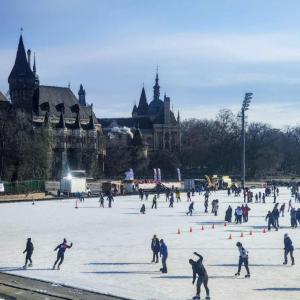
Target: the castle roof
(21, 68)
(55, 95)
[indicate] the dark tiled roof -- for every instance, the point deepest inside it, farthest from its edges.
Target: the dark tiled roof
(160, 118)
(137, 122)
(55, 95)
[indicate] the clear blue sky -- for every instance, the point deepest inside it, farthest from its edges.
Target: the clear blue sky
(209, 52)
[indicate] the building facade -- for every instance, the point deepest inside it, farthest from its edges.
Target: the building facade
(155, 120)
(73, 132)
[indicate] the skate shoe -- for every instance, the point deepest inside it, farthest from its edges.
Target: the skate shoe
(24, 267)
(247, 276)
(30, 265)
(58, 268)
(237, 274)
(196, 297)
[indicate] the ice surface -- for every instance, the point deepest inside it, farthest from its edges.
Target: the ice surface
(111, 252)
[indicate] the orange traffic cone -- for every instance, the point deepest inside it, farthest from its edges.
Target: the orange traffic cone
(202, 227)
(178, 231)
(191, 229)
(230, 237)
(264, 231)
(213, 226)
(242, 234)
(250, 233)
(76, 206)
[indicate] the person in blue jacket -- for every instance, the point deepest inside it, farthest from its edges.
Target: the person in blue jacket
(288, 249)
(164, 255)
(61, 253)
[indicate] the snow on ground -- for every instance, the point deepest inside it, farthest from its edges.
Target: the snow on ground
(111, 252)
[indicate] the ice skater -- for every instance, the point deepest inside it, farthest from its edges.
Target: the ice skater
(154, 202)
(155, 247)
(191, 208)
(28, 250)
(288, 249)
(243, 259)
(163, 252)
(198, 269)
(143, 209)
(61, 253)
(101, 200)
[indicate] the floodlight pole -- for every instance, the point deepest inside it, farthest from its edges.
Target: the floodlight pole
(245, 106)
(243, 150)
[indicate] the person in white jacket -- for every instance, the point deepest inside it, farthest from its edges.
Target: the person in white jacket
(243, 259)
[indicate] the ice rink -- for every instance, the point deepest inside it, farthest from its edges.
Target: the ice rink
(111, 251)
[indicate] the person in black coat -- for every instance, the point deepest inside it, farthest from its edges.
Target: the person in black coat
(270, 219)
(288, 249)
(155, 247)
(28, 250)
(275, 213)
(199, 269)
(228, 214)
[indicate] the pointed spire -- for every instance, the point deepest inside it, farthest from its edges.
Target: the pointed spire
(156, 87)
(61, 123)
(134, 110)
(46, 120)
(178, 117)
(91, 125)
(142, 109)
(81, 96)
(37, 80)
(21, 67)
(77, 124)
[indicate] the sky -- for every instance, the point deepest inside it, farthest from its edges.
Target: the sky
(209, 52)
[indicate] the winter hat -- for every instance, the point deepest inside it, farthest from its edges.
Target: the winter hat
(238, 244)
(286, 235)
(65, 240)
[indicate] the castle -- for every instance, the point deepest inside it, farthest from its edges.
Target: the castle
(74, 134)
(70, 123)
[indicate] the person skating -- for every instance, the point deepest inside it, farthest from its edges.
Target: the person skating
(198, 269)
(191, 208)
(206, 205)
(28, 250)
(288, 249)
(143, 209)
(163, 252)
(61, 253)
(155, 247)
(177, 193)
(101, 200)
(171, 200)
(188, 196)
(243, 259)
(154, 202)
(282, 208)
(275, 213)
(270, 219)
(228, 214)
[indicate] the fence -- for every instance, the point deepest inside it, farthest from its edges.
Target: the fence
(24, 187)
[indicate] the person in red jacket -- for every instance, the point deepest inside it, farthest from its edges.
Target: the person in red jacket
(61, 253)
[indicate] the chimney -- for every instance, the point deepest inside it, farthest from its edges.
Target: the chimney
(28, 58)
(167, 105)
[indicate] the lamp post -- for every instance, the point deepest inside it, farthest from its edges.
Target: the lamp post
(245, 107)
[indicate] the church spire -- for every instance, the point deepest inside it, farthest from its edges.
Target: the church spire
(81, 96)
(156, 87)
(142, 109)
